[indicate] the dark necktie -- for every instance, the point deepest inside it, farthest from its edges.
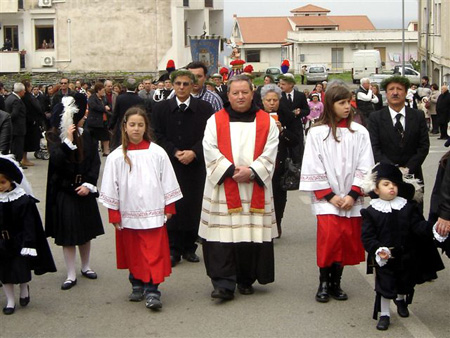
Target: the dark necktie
(398, 125)
(399, 128)
(182, 107)
(289, 97)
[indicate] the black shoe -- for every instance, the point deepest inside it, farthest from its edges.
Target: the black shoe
(8, 310)
(191, 257)
(152, 301)
(336, 292)
(245, 289)
(174, 260)
(383, 323)
(68, 284)
(24, 301)
(136, 295)
(402, 308)
(221, 293)
(89, 274)
(322, 295)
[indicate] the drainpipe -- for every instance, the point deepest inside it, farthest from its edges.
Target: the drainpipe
(427, 35)
(69, 42)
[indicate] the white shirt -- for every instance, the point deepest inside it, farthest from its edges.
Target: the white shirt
(394, 114)
(292, 95)
(187, 102)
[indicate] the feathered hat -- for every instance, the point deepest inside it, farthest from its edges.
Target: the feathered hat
(68, 110)
(285, 66)
(408, 187)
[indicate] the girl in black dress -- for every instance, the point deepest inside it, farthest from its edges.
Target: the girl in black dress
(23, 246)
(72, 217)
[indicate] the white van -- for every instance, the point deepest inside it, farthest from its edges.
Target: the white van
(365, 62)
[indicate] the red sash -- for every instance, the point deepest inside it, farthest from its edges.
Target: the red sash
(224, 143)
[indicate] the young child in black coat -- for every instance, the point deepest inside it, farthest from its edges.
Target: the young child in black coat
(23, 246)
(398, 240)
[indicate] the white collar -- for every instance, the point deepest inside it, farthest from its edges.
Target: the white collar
(291, 92)
(394, 113)
(12, 195)
(386, 206)
(187, 102)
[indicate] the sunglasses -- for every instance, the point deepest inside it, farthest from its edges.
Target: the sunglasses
(185, 84)
(63, 83)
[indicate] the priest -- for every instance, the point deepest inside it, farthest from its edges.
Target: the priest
(238, 219)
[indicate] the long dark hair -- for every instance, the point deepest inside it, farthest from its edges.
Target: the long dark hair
(125, 140)
(333, 94)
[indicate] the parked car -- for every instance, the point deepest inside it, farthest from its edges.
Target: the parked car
(366, 62)
(274, 71)
(411, 74)
(316, 73)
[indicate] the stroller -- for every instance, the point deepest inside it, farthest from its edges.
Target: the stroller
(42, 153)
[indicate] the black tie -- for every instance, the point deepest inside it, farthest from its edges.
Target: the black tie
(289, 97)
(398, 125)
(182, 107)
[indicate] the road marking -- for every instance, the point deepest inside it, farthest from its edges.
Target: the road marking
(413, 324)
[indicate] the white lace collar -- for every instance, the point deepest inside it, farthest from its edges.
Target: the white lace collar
(386, 206)
(12, 195)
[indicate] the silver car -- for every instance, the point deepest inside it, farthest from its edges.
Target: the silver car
(316, 73)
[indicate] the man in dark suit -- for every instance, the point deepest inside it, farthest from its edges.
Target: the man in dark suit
(295, 102)
(398, 133)
(123, 103)
(63, 91)
(179, 124)
(16, 108)
(221, 89)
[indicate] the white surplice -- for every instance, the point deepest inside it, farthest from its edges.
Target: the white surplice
(216, 224)
(142, 193)
(336, 165)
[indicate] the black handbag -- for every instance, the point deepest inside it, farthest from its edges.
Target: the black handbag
(290, 180)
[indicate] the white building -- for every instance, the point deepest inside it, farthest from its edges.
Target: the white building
(434, 42)
(104, 36)
(312, 36)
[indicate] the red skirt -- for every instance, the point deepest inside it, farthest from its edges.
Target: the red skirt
(339, 240)
(145, 253)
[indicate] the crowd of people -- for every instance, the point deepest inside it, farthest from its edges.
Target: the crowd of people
(187, 165)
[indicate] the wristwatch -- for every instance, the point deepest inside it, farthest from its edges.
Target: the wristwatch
(252, 174)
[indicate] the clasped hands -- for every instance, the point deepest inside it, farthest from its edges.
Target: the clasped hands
(344, 203)
(119, 226)
(242, 174)
(185, 156)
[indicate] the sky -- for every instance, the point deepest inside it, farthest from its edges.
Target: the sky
(384, 14)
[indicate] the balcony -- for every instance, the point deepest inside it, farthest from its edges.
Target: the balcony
(9, 62)
(10, 6)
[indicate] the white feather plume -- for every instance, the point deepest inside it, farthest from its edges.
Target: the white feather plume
(369, 182)
(67, 116)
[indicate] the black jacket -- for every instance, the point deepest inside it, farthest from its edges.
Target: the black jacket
(176, 130)
(386, 140)
(16, 108)
(5, 132)
(96, 110)
(443, 108)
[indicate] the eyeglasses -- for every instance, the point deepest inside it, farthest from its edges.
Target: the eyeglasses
(185, 84)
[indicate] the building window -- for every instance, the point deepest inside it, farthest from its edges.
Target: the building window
(11, 37)
(44, 37)
(20, 4)
(186, 3)
(209, 3)
(337, 58)
(253, 56)
(186, 34)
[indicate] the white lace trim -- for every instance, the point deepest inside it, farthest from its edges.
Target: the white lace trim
(386, 206)
(12, 195)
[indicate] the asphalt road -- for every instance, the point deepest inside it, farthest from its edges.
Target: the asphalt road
(286, 308)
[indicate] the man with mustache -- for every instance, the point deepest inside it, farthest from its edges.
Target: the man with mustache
(398, 133)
